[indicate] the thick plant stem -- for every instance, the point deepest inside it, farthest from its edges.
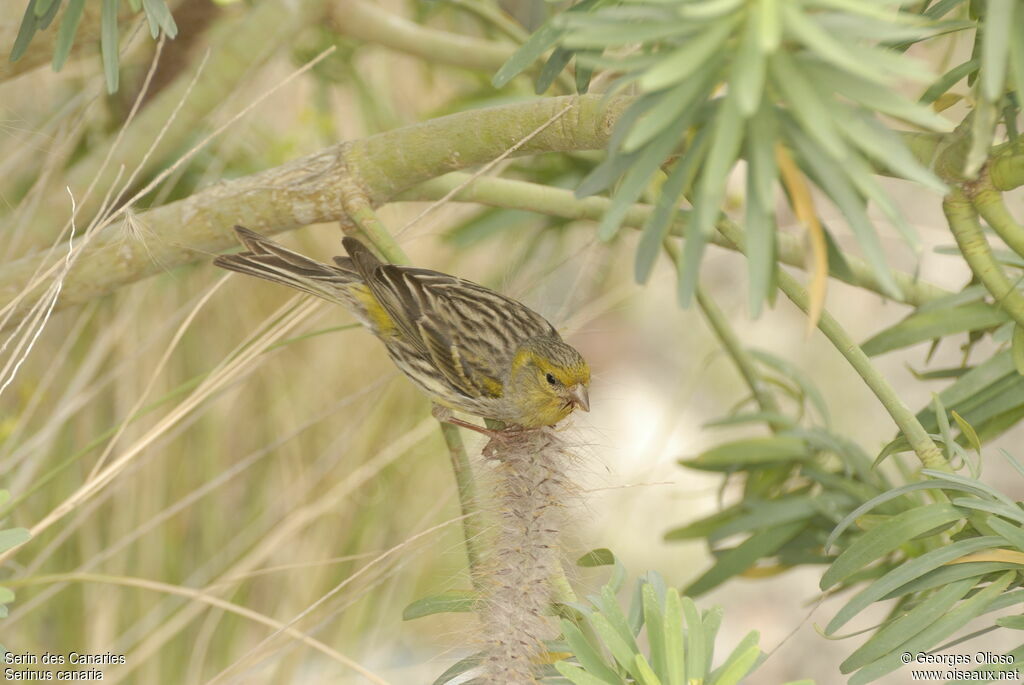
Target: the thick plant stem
(963, 222)
(304, 191)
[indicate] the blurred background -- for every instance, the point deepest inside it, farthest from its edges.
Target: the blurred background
(296, 484)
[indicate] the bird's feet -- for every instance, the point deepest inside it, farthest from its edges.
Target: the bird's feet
(498, 440)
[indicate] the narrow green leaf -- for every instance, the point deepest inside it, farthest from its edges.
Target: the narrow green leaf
(967, 430)
(658, 223)
(762, 132)
(750, 451)
(995, 46)
(26, 30)
(732, 562)
(896, 632)
(739, 668)
(687, 60)
(771, 25)
(613, 32)
(973, 385)
(159, 13)
(890, 535)
(905, 573)
(983, 127)
(636, 179)
(746, 78)
(43, 6)
(109, 44)
(583, 75)
(1017, 349)
(13, 537)
(457, 669)
(726, 139)
(665, 208)
(611, 638)
(944, 575)
(834, 181)
(708, 9)
(887, 149)
(6, 595)
(761, 254)
(947, 437)
(654, 620)
(705, 526)
(673, 631)
(554, 66)
(696, 667)
(804, 29)
(611, 610)
(712, 620)
(882, 499)
(787, 509)
(940, 629)
(796, 374)
(948, 80)
(528, 53)
(605, 173)
(1014, 534)
(751, 639)
(1017, 56)
(671, 105)
(601, 556)
(452, 601)
(588, 655)
(45, 18)
(577, 675)
(882, 100)
(942, 8)
(646, 673)
(66, 33)
(788, 75)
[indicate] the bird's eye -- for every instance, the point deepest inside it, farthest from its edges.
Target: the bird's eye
(551, 379)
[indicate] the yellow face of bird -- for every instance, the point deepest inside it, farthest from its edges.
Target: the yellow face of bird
(548, 380)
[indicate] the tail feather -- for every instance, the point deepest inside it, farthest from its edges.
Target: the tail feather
(267, 260)
(363, 260)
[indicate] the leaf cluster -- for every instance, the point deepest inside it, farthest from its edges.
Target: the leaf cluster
(39, 14)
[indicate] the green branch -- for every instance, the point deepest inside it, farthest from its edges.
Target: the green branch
(989, 204)
(499, 192)
(305, 191)
(366, 21)
(963, 222)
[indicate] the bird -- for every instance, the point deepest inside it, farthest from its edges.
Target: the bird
(467, 348)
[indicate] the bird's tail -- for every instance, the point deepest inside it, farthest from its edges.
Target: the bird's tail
(266, 259)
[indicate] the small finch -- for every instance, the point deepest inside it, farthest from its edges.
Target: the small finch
(467, 347)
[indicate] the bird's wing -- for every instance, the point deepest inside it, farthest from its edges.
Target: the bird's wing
(467, 331)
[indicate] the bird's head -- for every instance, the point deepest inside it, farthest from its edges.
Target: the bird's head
(547, 381)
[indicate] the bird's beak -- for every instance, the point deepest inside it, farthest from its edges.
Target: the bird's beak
(578, 395)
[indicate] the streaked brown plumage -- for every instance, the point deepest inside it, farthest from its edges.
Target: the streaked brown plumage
(467, 347)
